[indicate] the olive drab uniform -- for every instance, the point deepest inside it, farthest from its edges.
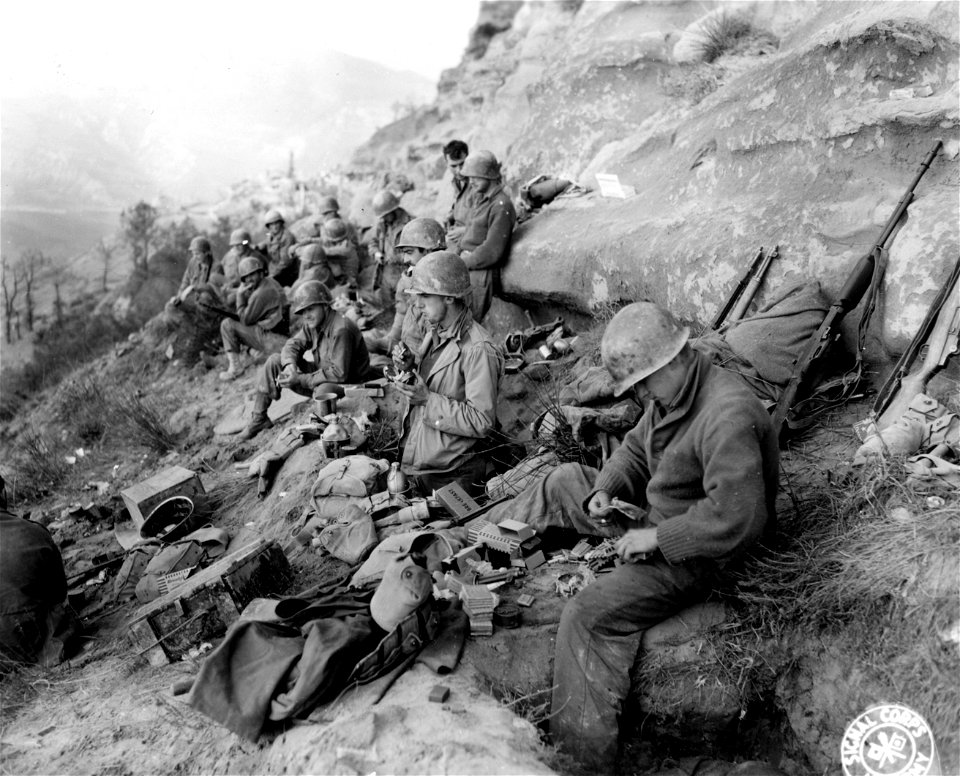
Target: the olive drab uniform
(485, 244)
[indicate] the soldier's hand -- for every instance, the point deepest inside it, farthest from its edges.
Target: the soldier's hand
(403, 358)
(637, 544)
(417, 393)
(286, 375)
(599, 506)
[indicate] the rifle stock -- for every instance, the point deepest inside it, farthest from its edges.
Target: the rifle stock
(893, 384)
(942, 343)
(858, 282)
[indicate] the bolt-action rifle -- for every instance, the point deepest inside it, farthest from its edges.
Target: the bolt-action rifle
(754, 284)
(867, 274)
(738, 291)
(939, 332)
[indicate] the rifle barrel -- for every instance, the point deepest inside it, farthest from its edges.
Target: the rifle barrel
(738, 291)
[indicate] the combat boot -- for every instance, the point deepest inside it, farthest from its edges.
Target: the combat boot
(259, 421)
(233, 369)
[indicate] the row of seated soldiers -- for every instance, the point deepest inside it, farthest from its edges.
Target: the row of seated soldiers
(254, 283)
(700, 467)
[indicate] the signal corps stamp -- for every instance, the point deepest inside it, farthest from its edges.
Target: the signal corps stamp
(889, 740)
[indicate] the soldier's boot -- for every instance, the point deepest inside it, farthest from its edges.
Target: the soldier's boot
(233, 367)
(259, 421)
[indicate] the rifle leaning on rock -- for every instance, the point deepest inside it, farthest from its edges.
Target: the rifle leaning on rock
(219, 310)
(738, 291)
(866, 275)
(940, 332)
(753, 284)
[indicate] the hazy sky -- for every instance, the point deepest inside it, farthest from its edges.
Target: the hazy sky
(170, 44)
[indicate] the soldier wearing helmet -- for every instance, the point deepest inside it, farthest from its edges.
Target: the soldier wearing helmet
(382, 247)
(261, 319)
(283, 266)
(326, 352)
(328, 210)
(453, 401)
(241, 245)
(485, 244)
(198, 271)
(455, 154)
(418, 238)
(701, 467)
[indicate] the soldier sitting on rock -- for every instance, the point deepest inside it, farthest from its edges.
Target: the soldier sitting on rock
(199, 269)
(241, 246)
(701, 469)
(262, 317)
(326, 352)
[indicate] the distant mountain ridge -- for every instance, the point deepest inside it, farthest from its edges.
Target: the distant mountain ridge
(72, 153)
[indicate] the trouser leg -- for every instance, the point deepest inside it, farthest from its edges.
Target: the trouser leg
(236, 334)
(556, 501)
(481, 292)
(597, 643)
(471, 476)
(267, 380)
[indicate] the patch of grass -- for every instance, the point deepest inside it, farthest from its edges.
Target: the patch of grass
(870, 567)
(39, 466)
(722, 33)
(691, 83)
(142, 419)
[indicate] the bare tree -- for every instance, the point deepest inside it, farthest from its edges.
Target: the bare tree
(105, 253)
(10, 283)
(59, 276)
(140, 229)
(29, 265)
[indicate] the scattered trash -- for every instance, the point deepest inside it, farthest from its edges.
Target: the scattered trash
(610, 186)
(439, 694)
(935, 502)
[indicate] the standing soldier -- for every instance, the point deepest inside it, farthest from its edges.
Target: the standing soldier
(455, 153)
(283, 266)
(391, 218)
(486, 242)
(261, 316)
(326, 352)
(453, 401)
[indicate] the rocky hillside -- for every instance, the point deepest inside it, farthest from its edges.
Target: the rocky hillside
(739, 124)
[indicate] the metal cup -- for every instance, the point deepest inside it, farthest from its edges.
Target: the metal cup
(326, 403)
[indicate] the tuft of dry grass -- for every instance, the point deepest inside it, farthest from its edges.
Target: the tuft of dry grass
(872, 568)
(142, 419)
(722, 33)
(39, 465)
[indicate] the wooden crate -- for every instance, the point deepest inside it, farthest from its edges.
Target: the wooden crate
(204, 605)
(142, 498)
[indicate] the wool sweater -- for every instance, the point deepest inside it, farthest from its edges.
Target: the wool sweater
(705, 467)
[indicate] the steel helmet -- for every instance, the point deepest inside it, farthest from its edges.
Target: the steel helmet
(240, 237)
(385, 202)
(639, 340)
(248, 265)
(308, 294)
(312, 254)
(441, 273)
(329, 205)
(200, 243)
(272, 216)
(333, 231)
(423, 233)
(481, 164)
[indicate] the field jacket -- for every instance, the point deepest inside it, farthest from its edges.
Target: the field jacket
(705, 467)
(264, 307)
(463, 374)
(338, 351)
(489, 230)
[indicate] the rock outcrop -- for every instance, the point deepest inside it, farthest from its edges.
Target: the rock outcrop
(804, 131)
